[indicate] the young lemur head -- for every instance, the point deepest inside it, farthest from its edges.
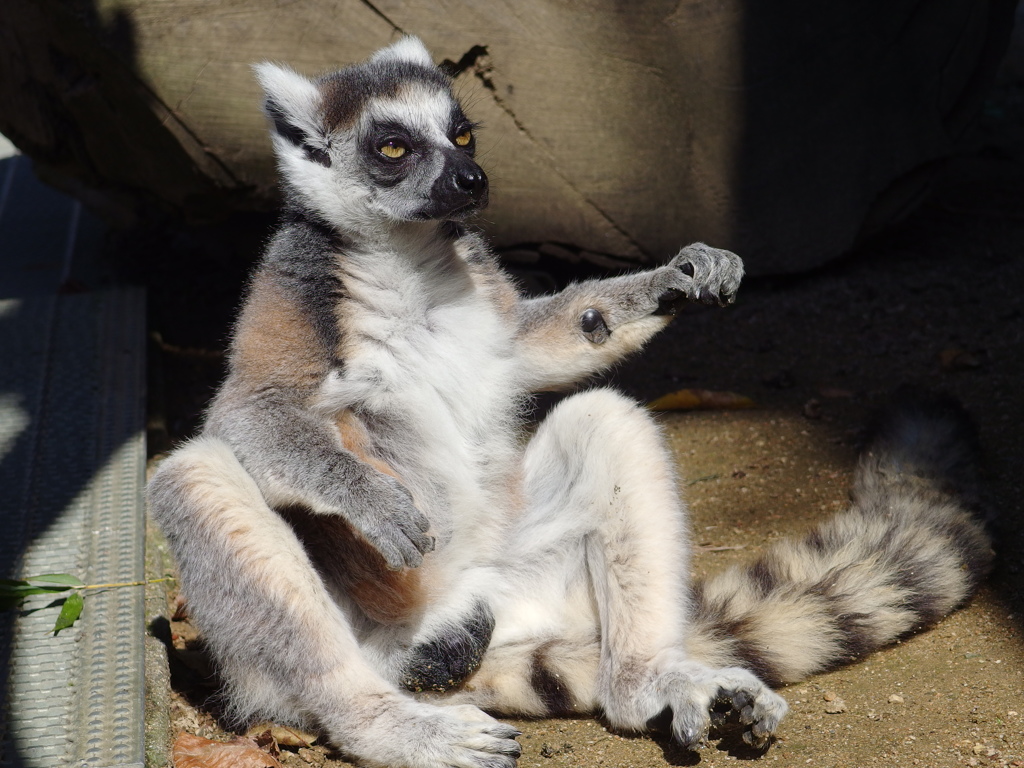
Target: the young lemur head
(381, 141)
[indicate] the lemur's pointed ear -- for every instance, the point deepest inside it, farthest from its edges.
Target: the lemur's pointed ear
(293, 103)
(409, 48)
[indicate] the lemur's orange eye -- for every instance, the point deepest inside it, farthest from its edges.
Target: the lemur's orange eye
(393, 149)
(464, 138)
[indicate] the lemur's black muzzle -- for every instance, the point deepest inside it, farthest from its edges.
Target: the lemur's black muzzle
(460, 188)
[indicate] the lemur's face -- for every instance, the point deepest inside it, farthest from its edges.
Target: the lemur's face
(380, 141)
(416, 151)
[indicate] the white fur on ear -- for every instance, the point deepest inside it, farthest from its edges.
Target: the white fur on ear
(409, 48)
(290, 96)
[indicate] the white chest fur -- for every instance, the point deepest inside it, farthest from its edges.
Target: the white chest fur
(429, 357)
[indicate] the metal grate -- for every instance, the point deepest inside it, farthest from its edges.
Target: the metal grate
(72, 460)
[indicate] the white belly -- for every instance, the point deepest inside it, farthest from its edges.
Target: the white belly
(443, 392)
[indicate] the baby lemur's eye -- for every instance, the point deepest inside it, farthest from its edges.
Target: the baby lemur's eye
(393, 148)
(463, 139)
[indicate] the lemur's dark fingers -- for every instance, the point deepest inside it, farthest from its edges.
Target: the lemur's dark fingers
(710, 275)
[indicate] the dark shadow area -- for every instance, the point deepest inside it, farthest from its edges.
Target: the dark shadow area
(726, 736)
(196, 277)
(835, 95)
(673, 753)
(72, 66)
(191, 670)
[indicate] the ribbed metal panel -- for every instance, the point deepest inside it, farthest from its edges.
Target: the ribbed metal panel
(72, 460)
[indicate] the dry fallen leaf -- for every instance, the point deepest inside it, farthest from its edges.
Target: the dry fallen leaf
(700, 399)
(283, 735)
(196, 752)
(266, 742)
(955, 359)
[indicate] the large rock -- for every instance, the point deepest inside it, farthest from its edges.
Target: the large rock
(781, 130)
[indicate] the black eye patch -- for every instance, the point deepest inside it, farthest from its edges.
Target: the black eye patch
(381, 134)
(390, 168)
(460, 126)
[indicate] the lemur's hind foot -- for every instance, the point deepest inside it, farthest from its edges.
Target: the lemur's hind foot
(696, 695)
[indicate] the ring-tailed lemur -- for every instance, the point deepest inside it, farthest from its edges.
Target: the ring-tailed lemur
(363, 514)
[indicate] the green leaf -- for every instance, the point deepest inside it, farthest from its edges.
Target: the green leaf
(14, 591)
(58, 578)
(20, 592)
(69, 612)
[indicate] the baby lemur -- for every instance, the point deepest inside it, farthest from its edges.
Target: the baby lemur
(371, 543)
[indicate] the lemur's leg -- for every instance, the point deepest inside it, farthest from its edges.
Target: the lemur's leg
(591, 325)
(596, 610)
(285, 648)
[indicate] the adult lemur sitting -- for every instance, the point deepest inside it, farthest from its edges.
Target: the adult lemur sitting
(369, 542)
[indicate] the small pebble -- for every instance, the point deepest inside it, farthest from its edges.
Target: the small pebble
(835, 707)
(895, 699)
(812, 409)
(312, 756)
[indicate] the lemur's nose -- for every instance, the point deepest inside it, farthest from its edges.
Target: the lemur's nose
(472, 181)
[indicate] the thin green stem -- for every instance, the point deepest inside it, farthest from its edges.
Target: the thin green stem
(125, 584)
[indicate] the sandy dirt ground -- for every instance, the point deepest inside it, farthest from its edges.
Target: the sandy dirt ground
(935, 302)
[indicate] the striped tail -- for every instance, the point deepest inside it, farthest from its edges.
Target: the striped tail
(909, 551)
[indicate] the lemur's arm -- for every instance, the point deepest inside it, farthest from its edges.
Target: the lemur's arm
(589, 326)
(295, 459)
(281, 353)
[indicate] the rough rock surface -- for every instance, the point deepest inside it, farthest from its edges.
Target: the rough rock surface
(626, 129)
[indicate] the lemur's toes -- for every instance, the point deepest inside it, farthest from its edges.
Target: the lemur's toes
(758, 742)
(762, 711)
(708, 297)
(691, 722)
